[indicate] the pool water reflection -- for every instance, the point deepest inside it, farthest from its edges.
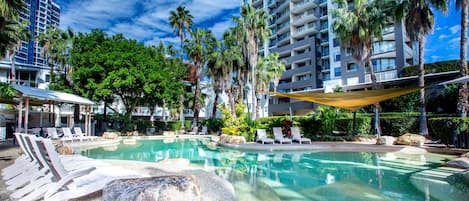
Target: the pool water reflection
(307, 175)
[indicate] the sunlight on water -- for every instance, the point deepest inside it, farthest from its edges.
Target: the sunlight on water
(308, 175)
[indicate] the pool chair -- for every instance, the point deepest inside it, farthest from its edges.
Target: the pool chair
(82, 135)
(204, 131)
(66, 184)
(21, 164)
(52, 133)
(262, 137)
(278, 136)
(69, 136)
(296, 137)
(196, 131)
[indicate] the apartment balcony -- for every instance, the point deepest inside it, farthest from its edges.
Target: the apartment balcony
(382, 76)
(299, 57)
(305, 30)
(256, 2)
(324, 41)
(296, 84)
(285, 107)
(408, 51)
(297, 44)
(324, 27)
(283, 16)
(289, 73)
(304, 5)
(304, 18)
(271, 3)
(283, 5)
(322, 2)
(283, 28)
(323, 15)
(283, 39)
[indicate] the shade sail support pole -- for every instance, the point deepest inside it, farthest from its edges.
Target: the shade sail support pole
(26, 115)
(20, 116)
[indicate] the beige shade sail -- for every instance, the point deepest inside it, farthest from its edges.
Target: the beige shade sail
(349, 100)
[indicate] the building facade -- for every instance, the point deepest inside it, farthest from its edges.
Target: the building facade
(31, 67)
(302, 35)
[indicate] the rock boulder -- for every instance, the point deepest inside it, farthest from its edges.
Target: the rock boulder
(231, 139)
(166, 188)
(411, 139)
(461, 162)
(111, 135)
(385, 140)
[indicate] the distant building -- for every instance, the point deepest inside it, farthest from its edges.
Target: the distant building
(31, 67)
(302, 34)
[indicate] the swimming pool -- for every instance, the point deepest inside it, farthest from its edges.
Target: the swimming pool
(307, 175)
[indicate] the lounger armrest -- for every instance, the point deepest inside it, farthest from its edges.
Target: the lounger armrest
(65, 180)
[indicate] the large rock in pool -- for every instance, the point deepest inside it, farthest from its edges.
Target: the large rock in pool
(386, 140)
(167, 188)
(461, 162)
(411, 139)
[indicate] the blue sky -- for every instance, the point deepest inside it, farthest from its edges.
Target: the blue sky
(147, 21)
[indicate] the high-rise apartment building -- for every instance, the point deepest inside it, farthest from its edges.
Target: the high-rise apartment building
(41, 15)
(31, 67)
(302, 35)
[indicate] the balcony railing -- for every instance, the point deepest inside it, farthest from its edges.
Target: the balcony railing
(302, 3)
(304, 15)
(305, 28)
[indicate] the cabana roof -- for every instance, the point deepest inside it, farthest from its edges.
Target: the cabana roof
(48, 96)
(457, 80)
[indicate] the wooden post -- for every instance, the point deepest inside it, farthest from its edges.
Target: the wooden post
(20, 116)
(26, 115)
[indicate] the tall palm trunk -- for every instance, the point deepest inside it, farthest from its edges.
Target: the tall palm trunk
(377, 106)
(258, 106)
(463, 105)
(196, 103)
(232, 101)
(13, 68)
(164, 112)
(214, 108)
(423, 128)
(181, 106)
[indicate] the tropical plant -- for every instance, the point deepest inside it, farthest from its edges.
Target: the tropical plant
(214, 66)
(357, 28)
(463, 103)
(419, 21)
(7, 91)
(255, 31)
(181, 21)
(269, 70)
(199, 49)
(17, 32)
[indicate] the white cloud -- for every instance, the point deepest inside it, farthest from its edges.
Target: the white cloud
(455, 29)
(219, 28)
(443, 36)
(143, 20)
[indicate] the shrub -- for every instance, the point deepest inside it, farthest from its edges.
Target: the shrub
(444, 128)
(213, 124)
(396, 126)
(363, 125)
(231, 131)
(437, 67)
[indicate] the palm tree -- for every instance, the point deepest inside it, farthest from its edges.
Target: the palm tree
(18, 33)
(199, 49)
(9, 9)
(463, 104)
(181, 20)
(357, 28)
(232, 59)
(269, 70)
(255, 30)
(55, 45)
(214, 67)
(419, 21)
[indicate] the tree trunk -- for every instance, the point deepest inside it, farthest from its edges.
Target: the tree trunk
(196, 104)
(377, 106)
(181, 111)
(214, 109)
(423, 129)
(232, 102)
(463, 104)
(164, 112)
(258, 107)
(13, 69)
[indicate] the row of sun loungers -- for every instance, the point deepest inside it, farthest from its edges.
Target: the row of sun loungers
(68, 135)
(41, 173)
(278, 136)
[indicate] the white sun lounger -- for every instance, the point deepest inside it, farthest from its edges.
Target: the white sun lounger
(72, 184)
(82, 135)
(262, 137)
(69, 136)
(296, 137)
(21, 164)
(278, 135)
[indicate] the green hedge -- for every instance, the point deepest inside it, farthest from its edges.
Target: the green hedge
(363, 125)
(396, 126)
(443, 128)
(437, 67)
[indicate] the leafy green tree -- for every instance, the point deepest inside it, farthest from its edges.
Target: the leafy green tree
(463, 102)
(419, 21)
(254, 31)
(199, 50)
(357, 28)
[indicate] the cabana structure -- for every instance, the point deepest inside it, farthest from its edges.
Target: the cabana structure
(29, 96)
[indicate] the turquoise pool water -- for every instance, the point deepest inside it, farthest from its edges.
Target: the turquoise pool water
(308, 175)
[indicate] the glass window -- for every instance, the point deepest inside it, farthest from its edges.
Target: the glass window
(336, 42)
(352, 67)
(383, 46)
(385, 64)
(337, 57)
(337, 72)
